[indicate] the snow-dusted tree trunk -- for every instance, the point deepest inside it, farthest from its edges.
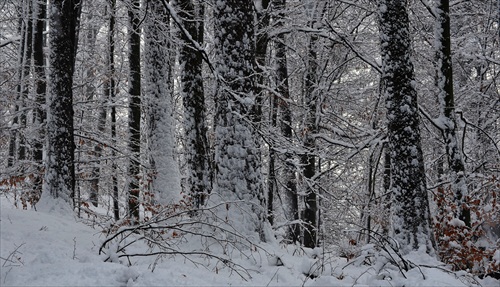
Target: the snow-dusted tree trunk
(237, 159)
(60, 166)
(164, 171)
(134, 116)
(288, 173)
(199, 171)
(447, 120)
(410, 207)
(291, 202)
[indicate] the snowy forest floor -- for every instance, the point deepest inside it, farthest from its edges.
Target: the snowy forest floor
(52, 249)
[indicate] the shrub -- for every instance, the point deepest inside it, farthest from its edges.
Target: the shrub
(469, 248)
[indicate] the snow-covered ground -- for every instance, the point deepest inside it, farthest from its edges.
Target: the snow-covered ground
(55, 249)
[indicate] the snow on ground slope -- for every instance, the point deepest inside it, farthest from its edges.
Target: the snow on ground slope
(51, 249)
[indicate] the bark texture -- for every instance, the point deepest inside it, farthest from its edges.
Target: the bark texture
(60, 170)
(410, 207)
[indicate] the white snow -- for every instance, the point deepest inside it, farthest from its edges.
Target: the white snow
(54, 249)
(456, 222)
(496, 257)
(383, 8)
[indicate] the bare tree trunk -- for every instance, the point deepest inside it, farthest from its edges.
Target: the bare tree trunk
(110, 92)
(23, 86)
(308, 160)
(447, 110)
(39, 114)
(134, 58)
(291, 204)
(272, 186)
(262, 40)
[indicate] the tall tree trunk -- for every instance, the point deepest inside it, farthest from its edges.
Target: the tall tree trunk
(410, 206)
(308, 159)
(60, 170)
(164, 171)
(90, 93)
(272, 186)
(110, 92)
(237, 157)
(23, 86)
(447, 110)
(199, 169)
(134, 116)
(291, 204)
(39, 114)
(261, 43)
(316, 10)
(262, 40)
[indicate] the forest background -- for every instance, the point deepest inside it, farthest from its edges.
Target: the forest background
(295, 120)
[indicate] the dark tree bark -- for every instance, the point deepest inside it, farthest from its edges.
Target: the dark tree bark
(308, 160)
(134, 58)
(198, 161)
(110, 87)
(272, 185)
(60, 170)
(262, 40)
(410, 206)
(261, 43)
(39, 114)
(447, 110)
(23, 85)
